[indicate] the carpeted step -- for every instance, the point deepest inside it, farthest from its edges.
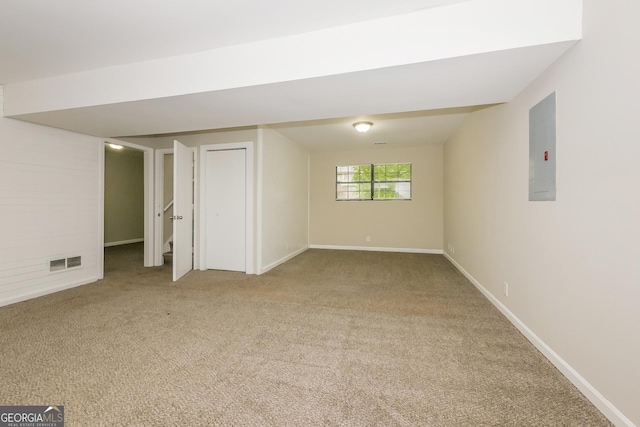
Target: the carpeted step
(168, 256)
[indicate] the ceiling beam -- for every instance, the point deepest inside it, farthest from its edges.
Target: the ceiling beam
(305, 62)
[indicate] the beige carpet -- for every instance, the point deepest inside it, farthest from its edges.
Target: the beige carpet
(332, 338)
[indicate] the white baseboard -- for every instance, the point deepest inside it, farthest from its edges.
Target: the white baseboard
(607, 408)
(378, 249)
(47, 291)
(124, 242)
(282, 260)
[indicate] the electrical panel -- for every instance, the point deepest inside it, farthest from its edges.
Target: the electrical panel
(542, 150)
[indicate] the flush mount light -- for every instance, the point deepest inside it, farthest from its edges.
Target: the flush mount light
(115, 146)
(362, 126)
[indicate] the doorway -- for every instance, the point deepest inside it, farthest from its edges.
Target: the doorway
(127, 210)
(123, 195)
(174, 206)
(164, 208)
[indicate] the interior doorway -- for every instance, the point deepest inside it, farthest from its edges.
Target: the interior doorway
(123, 195)
(123, 219)
(129, 182)
(163, 253)
(175, 182)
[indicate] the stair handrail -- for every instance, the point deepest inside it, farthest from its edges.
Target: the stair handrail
(166, 208)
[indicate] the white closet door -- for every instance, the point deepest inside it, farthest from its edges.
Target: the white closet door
(226, 210)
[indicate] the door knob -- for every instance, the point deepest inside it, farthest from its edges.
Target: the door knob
(175, 217)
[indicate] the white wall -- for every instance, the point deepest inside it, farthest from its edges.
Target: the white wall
(284, 198)
(50, 191)
(414, 225)
(573, 265)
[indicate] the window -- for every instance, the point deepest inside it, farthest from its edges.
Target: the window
(387, 181)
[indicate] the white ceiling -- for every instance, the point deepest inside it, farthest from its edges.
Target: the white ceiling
(410, 103)
(388, 130)
(44, 38)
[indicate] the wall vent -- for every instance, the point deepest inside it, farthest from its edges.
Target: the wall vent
(57, 265)
(62, 264)
(74, 262)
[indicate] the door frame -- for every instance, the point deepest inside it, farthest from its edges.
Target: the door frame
(201, 214)
(149, 236)
(159, 205)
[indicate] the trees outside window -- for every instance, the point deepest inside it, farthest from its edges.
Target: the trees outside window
(386, 181)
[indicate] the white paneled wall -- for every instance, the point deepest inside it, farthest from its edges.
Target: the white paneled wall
(50, 208)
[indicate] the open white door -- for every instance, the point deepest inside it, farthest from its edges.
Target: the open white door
(182, 210)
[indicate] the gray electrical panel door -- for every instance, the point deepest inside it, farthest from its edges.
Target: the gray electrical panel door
(542, 149)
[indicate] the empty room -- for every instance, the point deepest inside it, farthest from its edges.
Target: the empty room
(414, 213)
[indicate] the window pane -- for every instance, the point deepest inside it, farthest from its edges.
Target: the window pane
(391, 181)
(343, 177)
(353, 173)
(404, 172)
(384, 191)
(365, 192)
(392, 172)
(353, 191)
(379, 173)
(392, 190)
(404, 190)
(362, 174)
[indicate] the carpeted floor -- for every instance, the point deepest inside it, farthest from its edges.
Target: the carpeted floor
(334, 338)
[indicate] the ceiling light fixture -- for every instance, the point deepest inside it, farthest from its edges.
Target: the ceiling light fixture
(362, 126)
(115, 146)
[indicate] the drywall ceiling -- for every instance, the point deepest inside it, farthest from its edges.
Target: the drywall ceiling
(388, 130)
(44, 38)
(468, 81)
(139, 67)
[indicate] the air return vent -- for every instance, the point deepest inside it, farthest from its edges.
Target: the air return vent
(62, 264)
(73, 262)
(57, 265)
